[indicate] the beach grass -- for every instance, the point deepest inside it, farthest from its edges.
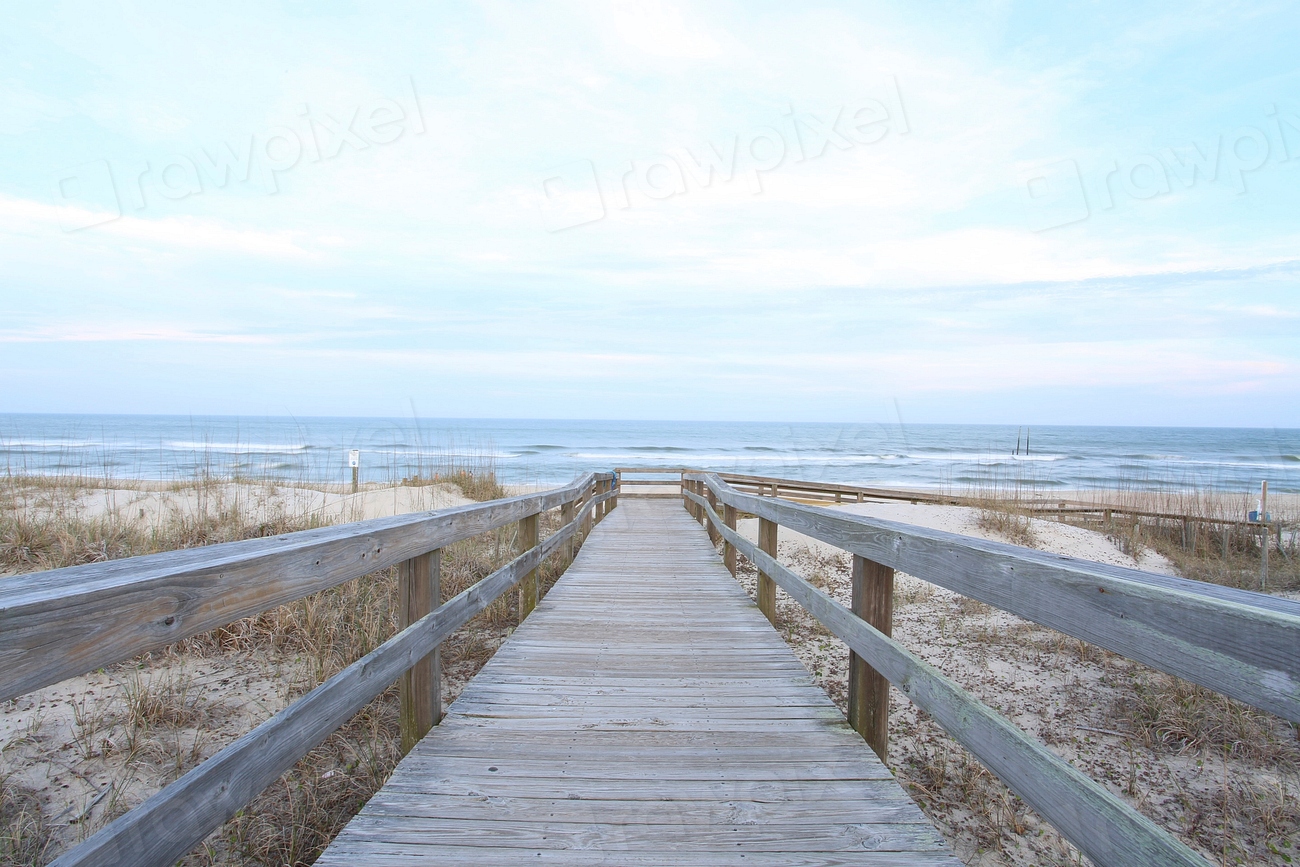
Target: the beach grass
(157, 716)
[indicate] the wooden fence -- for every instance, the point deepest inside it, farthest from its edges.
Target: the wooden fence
(66, 622)
(1242, 644)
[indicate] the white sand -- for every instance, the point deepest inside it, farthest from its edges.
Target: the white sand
(152, 504)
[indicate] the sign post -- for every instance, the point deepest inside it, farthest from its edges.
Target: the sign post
(354, 461)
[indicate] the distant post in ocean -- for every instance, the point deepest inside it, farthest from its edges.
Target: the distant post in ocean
(354, 461)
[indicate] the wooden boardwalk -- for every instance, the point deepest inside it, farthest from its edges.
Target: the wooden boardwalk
(645, 714)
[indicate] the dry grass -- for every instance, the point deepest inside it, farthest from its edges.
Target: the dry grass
(24, 833)
(1197, 545)
(1169, 713)
(43, 526)
(1012, 523)
(472, 470)
(157, 718)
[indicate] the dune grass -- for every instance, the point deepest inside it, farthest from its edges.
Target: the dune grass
(160, 714)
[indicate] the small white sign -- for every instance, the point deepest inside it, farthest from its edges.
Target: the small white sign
(354, 458)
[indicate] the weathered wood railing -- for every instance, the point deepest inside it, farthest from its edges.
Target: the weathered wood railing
(1242, 644)
(57, 624)
(844, 493)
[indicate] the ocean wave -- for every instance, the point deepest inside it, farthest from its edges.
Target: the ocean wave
(238, 447)
(983, 457)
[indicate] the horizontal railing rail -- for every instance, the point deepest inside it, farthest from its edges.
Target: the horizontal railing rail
(65, 622)
(1242, 644)
(801, 489)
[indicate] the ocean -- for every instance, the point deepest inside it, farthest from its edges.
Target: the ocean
(553, 451)
(947, 456)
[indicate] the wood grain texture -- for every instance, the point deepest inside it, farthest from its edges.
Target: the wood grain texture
(419, 593)
(1099, 823)
(175, 820)
(65, 622)
(526, 538)
(566, 517)
(873, 601)
(1243, 644)
(646, 713)
(729, 550)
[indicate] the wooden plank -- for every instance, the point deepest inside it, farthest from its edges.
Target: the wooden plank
(599, 832)
(646, 709)
(1243, 644)
(709, 811)
(65, 622)
(873, 601)
(1075, 805)
(381, 854)
(173, 821)
(419, 593)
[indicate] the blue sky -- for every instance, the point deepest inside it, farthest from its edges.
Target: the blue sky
(827, 212)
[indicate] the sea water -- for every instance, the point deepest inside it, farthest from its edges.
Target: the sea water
(949, 456)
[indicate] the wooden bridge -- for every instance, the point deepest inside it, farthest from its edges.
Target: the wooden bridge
(644, 712)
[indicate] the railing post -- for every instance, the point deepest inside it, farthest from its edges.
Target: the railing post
(525, 539)
(873, 601)
(767, 535)
(728, 549)
(714, 536)
(587, 517)
(566, 518)
(419, 593)
(613, 486)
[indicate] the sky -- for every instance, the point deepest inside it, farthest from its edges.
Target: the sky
(852, 212)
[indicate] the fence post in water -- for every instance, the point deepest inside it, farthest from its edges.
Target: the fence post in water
(767, 536)
(419, 593)
(728, 549)
(525, 539)
(873, 601)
